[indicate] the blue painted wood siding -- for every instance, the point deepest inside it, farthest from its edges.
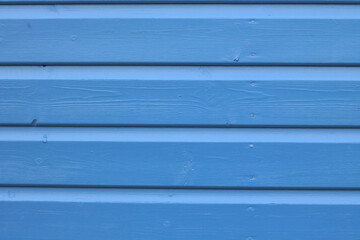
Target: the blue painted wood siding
(179, 119)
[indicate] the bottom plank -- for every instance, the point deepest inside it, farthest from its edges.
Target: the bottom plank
(90, 213)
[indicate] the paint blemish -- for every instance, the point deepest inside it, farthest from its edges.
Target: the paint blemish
(44, 139)
(250, 209)
(11, 194)
(38, 161)
(166, 224)
(34, 122)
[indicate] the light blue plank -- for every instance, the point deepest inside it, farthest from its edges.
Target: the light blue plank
(182, 157)
(65, 214)
(225, 34)
(212, 96)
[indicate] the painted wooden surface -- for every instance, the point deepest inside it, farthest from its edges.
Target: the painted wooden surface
(141, 121)
(180, 96)
(221, 34)
(178, 214)
(165, 157)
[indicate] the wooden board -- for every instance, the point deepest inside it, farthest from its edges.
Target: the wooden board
(65, 214)
(193, 157)
(180, 96)
(219, 34)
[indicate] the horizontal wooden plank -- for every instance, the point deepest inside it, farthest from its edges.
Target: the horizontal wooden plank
(174, 214)
(187, 96)
(181, 157)
(218, 34)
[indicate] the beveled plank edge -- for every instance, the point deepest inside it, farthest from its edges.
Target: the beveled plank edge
(165, 134)
(179, 196)
(202, 73)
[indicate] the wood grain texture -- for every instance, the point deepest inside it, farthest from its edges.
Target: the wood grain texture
(217, 34)
(65, 214)
(180, 96)
(193, 157)
(141, 145)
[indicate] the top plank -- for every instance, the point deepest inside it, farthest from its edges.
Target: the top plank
(181, 34)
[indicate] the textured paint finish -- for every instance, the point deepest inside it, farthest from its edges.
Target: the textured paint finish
(180, 96)
(162, 34)
(142, 122)
(166, 157)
